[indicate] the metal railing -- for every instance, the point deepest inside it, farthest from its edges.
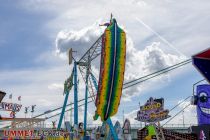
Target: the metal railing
(134, 126)
(139, 126)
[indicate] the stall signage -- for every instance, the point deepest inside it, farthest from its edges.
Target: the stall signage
(34, 133)
(10, 106)
(153, 111)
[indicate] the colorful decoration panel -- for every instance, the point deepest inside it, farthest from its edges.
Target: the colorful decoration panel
(112, 69)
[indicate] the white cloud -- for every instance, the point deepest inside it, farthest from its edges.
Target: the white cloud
(55, 86)
(80, 40)
(44, 102)
(149, 60)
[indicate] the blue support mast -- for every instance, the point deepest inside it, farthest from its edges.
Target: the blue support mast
(72, 80)
(94, 81)
(63, 110)
(86, 97)
(109, 122)
(75, 95)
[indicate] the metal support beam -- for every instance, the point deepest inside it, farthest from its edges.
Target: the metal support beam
(93, 52)
(94, 81)
(88, 57)
(75, 95)
(63, 110)
(86, 97)
(109, 122)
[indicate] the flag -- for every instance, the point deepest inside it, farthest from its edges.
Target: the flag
(32, 108)
(68, 83)
(10, 96)
(26, 110)
(19, 98)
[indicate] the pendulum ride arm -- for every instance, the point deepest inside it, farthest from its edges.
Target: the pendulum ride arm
(84, 67)
(87, 58)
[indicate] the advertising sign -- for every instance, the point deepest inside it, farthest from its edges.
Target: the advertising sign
(10, 106)
(152, 111)
(33, 134)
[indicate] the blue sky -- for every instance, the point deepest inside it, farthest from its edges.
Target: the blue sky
(35, 35)
(22, 37)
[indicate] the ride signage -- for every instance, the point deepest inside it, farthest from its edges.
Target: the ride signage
(10, 106)
(152, 111)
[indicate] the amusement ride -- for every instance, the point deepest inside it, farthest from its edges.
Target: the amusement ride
(106, 94)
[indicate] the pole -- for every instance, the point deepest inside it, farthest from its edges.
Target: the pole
(123, 116)
(71, 114)
(109, 122)
(63, 110)
(75, 95)
(139, 109)
(183, 117)
(86, 96)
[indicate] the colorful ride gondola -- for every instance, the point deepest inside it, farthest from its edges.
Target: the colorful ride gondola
(112, 69)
